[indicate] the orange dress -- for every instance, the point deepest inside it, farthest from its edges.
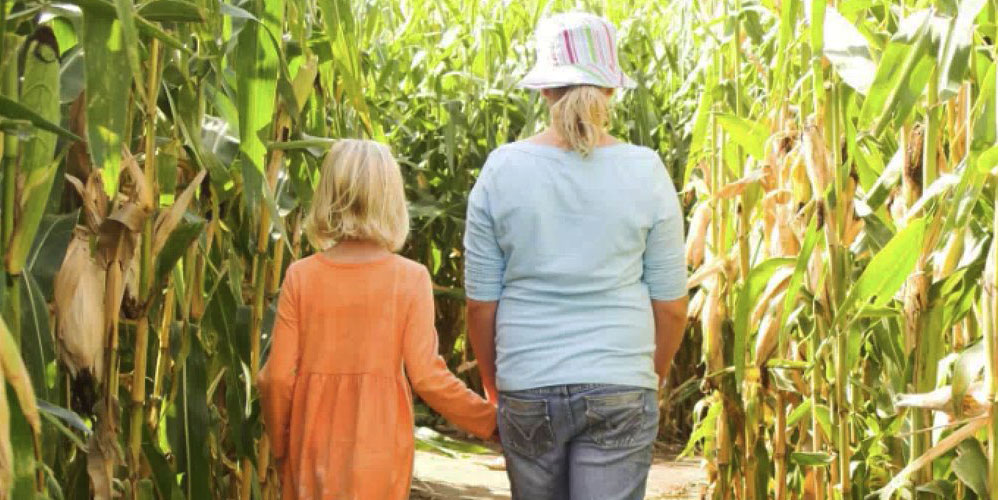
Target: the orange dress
(334, 392)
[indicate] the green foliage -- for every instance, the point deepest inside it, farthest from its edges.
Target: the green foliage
(247, 95)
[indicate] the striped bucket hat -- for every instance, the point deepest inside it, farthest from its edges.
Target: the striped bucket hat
(576, 49)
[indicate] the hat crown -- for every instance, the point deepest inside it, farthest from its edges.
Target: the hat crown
(582, 42)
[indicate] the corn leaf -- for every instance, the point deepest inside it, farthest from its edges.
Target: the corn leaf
(256, 66)
(17, 111)
(903, 73)
(40, 91)
(751, 135)
(984, 122)
(698, 132)
(130, 37)
(104, 8)
(191, 422)
(811, 458)
(107, 75)
(971, 467)
(887, 270)
(36, 336)
(847, 50)
(749, 294)
(184, 233)
(172, 11)
(953, 36)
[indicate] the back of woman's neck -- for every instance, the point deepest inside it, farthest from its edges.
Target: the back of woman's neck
(549, 137)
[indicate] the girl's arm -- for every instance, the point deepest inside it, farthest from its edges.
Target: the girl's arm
(276, 380)
(429, 375)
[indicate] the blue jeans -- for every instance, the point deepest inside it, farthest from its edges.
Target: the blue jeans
(578, 442)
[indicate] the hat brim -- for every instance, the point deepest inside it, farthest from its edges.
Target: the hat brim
(548, 77)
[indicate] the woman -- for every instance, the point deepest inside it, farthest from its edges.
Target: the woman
(575, 280)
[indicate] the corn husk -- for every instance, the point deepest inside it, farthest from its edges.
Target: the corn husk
(711, 322)
(81, 333)
(775, 286)
(767, 336)
(695, 305)
(695, 245)
(797, 176)
(94, 199)
(975, 402)
(816, 164)
(914, 304)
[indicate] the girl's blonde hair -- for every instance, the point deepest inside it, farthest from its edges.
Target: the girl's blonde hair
(359, 197)
(580, 116)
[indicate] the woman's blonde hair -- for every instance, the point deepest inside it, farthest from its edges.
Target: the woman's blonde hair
(359, 197)
(580, 115)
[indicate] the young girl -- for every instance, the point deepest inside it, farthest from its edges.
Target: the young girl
(351, 320)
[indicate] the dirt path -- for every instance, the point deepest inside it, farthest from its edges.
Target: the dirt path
(439, 477)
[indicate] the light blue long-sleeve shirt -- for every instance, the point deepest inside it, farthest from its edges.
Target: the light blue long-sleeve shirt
(574, 248)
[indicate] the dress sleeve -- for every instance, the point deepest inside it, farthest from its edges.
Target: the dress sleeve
(429, 375)
(276, 381)
(663, 267)
(484, 261)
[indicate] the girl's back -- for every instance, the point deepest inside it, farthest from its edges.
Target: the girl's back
(352, 314)
(335, 379)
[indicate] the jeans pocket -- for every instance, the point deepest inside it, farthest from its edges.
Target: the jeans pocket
(614, 420)
(525, 425)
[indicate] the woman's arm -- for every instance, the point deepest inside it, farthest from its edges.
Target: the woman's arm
(484, 268)
(665, 272)
(670, 318)
(276, 381)
(429, 375)
(481, 320)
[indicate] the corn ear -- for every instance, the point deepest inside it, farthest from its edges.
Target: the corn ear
(79, 306)
(711, 321)
(40, 93)
(816, 164)
(695, 246)
(767, 338)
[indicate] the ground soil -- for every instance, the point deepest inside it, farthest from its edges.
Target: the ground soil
(440, 477)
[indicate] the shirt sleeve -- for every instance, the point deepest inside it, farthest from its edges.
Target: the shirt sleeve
(429, 375)
(276, 380)
(484, 260)
(663, 267)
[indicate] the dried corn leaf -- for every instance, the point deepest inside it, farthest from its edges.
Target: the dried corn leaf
(166, 223)
(6, 448)
(103, 453)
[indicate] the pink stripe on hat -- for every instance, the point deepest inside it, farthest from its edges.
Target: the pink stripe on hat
(569, 47)
(570, 52)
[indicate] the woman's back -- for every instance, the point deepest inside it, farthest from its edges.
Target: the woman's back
(574, 248)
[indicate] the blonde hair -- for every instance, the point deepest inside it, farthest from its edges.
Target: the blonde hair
(580, 115)
(359, 197)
